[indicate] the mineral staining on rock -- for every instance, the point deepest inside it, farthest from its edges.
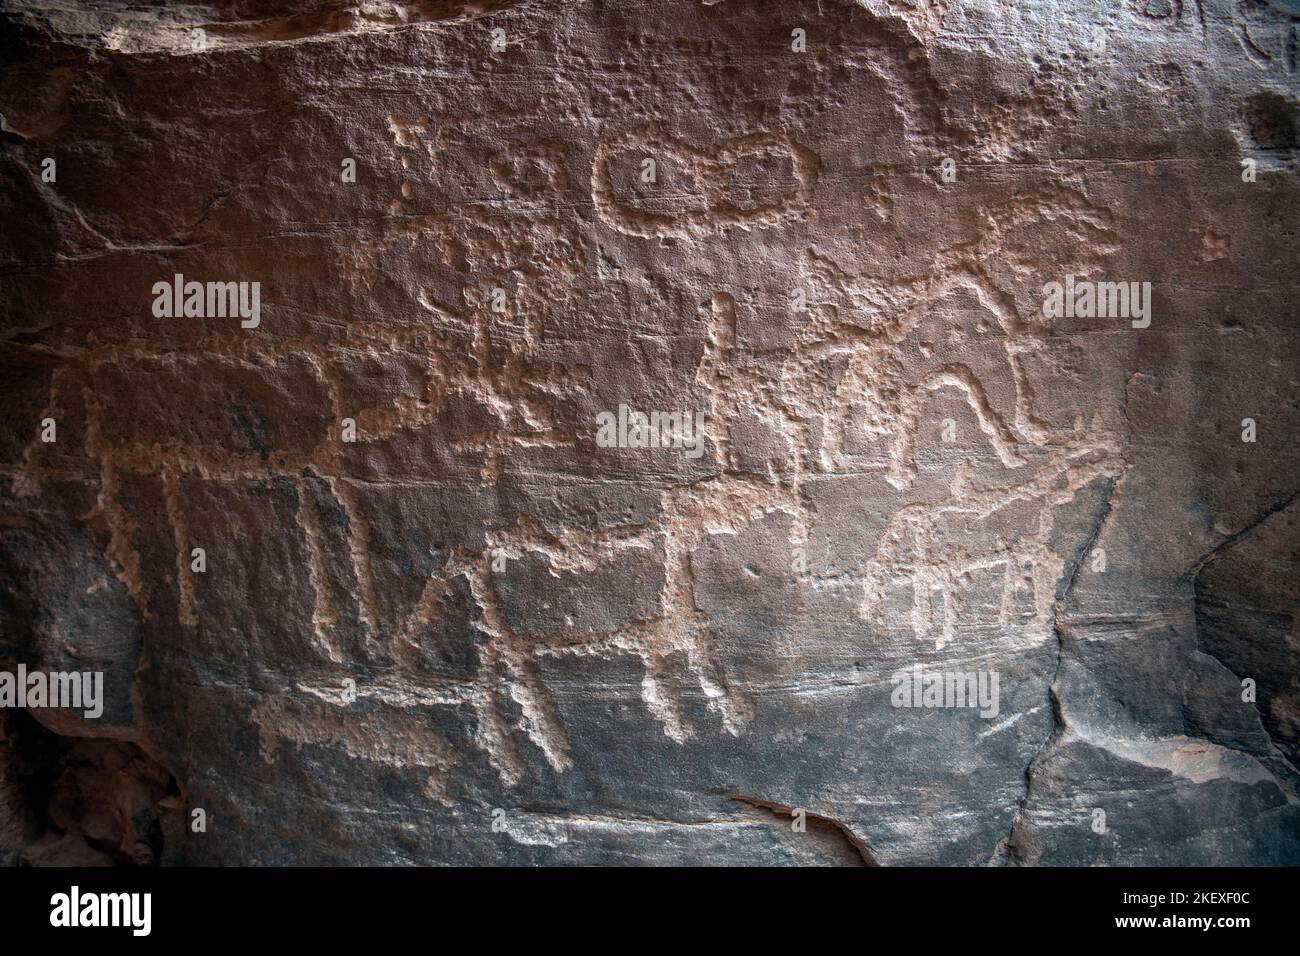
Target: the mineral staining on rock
(365, 585)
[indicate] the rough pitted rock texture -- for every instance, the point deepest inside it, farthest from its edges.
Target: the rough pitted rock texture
(477, 635)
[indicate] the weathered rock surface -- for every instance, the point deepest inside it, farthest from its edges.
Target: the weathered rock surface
(476, 634)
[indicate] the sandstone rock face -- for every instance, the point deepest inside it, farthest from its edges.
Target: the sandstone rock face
(447, 610)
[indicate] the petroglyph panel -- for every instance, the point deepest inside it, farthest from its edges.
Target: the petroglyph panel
(463, 549)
